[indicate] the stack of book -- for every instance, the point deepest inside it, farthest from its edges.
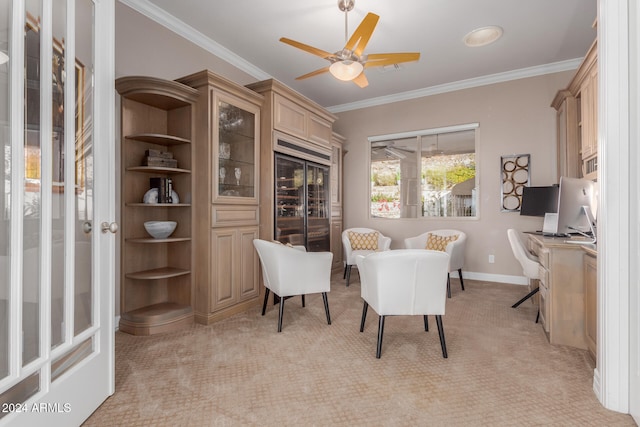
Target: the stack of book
(165, 189)
(160, 159)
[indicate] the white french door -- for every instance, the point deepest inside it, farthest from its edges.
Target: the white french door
(57, 202)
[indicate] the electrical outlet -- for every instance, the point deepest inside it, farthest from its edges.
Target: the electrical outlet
(492, 259)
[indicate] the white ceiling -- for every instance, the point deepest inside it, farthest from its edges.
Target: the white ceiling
(539, 36)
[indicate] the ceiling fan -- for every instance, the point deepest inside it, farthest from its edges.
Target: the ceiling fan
(349, 63)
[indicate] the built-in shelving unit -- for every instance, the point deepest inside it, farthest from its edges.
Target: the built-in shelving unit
(156, 288)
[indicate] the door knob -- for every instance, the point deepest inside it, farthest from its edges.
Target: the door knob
(87, 227)
(105, 227)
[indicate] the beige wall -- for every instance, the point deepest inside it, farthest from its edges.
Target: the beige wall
(146, 48)
(514, 117)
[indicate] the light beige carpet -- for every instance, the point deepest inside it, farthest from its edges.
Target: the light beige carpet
(501, 370)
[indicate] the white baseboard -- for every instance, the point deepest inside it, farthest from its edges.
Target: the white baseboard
(499, 278)
(117, 323)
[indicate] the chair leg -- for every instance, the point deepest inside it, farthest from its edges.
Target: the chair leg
(364, 315)
(344, 273)
(326, 307)
(529, 295)
(461, 281)
(280, 314)
(426, 323)
(380, 332)
(538, 316)
(266, 297)
(443, 344)
(348, 273)
(303, 302)
(448, 285)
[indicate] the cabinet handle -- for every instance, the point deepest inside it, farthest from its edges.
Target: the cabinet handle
(113, 227)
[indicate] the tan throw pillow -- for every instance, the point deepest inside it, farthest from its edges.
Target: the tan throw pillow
(363, 241)
(439, 243)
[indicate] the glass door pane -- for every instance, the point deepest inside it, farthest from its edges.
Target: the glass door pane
(290, 198)
(83, 166)
(32, 190)
(318, 203)
(236, 151)
(5, 192)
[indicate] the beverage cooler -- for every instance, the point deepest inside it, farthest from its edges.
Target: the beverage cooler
(302, 203)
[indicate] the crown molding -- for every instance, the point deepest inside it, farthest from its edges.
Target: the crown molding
(172, 23)
(555, 67)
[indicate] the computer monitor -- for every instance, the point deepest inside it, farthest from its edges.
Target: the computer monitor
(575, 193)
(537, 201)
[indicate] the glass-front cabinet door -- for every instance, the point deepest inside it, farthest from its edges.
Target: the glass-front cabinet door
(317, 208)
(290, 200)
(235, 150)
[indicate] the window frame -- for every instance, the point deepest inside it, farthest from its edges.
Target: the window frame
(420, 133)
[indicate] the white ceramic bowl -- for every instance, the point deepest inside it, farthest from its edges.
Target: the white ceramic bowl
(160, 229)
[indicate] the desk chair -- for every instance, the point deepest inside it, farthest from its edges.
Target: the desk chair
(528, 261)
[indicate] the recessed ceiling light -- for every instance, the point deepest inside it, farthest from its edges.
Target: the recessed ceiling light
(483, 36)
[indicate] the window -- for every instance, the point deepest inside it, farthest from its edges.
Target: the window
(428, 173)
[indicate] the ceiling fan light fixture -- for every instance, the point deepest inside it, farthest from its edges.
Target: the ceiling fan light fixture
(483, 36)
(346, 70)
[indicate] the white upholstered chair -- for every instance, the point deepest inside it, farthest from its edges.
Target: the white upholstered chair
(454, 248)
(528, 261)
(404, 282)
(290, 271)
(351, 252)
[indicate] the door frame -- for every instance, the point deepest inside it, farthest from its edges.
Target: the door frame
(618, 243)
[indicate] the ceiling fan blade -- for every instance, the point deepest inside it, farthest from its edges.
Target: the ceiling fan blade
(310, 49)
(381, 59)
(362, 34)
(313, 73)
(361, 80)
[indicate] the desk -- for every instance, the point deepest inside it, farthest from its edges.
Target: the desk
(562, 289)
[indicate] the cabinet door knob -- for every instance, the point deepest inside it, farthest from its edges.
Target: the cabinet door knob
(113, 227)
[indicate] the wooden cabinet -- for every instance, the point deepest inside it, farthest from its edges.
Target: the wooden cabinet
(588, 121)
(337, 142)
(156, 279)
(569, 163)
(577, 120)
(562, 290)
(294, 126)
(590, 302)
(297, 119)
(226, 196)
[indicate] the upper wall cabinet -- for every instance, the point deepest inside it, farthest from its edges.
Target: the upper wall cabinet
(296, 115)
(577, 124)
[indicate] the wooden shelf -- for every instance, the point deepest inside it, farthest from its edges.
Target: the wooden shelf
(156, 318)
(156, 114)
(156, 169)
(160, 139)
(158, 273)
(153, 240)
(159, 205)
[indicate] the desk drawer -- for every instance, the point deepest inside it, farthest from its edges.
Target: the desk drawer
(543, 257)
(544, 307)
(543, 276)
